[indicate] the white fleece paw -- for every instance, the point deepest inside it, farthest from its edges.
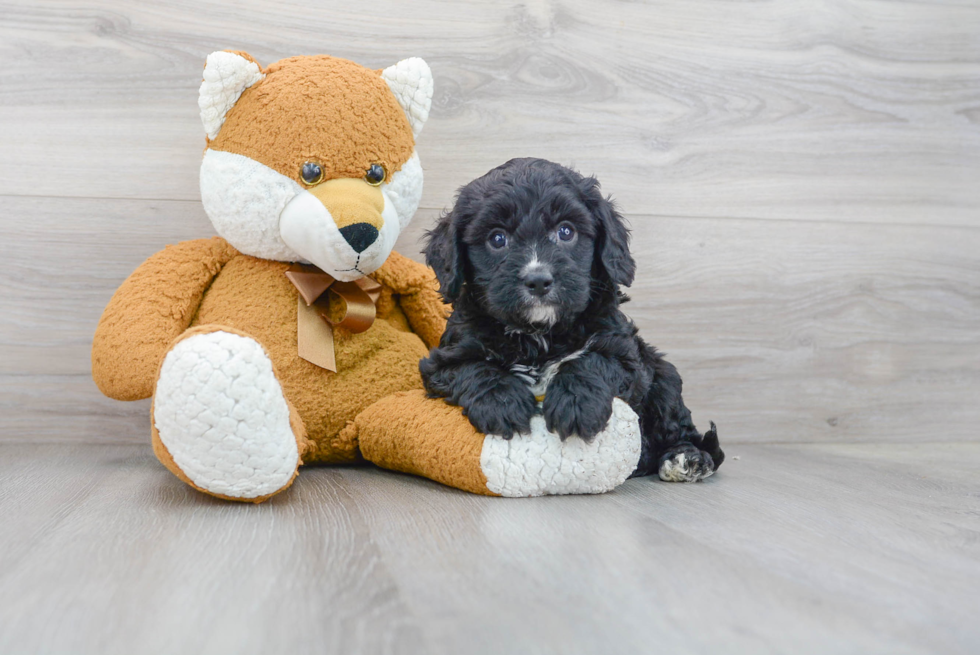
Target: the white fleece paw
(221, 414)
(539, 463)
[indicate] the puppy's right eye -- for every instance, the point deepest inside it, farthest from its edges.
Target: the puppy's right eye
(497, 239)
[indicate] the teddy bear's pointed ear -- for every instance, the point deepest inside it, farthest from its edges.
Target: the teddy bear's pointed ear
(226, 75)
(411, 82)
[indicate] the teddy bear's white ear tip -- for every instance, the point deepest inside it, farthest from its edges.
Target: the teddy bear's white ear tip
(226, 76)
(411, 82)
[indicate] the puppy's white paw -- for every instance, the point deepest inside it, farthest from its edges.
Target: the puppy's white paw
(221, 414)
(687, 465)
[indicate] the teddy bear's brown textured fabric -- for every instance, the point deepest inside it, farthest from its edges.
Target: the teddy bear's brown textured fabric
(149, 311)
(409, 433)
(345, 126)
(206, 285)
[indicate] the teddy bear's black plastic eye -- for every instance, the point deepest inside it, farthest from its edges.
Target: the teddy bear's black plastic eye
(497, 239)
(375, 175)
(311, 173)
(566, 232)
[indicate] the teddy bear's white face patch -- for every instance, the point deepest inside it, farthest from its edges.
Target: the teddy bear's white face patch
(404, 190)
(244, 199)
(266, 214)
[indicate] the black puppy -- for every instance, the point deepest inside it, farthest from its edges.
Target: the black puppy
(532, 257)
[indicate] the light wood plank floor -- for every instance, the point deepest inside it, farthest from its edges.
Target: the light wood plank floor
(837, 548)
(802, 181)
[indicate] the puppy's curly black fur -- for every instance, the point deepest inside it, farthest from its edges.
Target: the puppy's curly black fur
(532, 257)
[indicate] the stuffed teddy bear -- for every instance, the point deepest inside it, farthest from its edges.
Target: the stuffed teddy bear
(294, 337)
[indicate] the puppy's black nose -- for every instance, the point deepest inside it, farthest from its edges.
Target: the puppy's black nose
(359, 235)
(538, 282)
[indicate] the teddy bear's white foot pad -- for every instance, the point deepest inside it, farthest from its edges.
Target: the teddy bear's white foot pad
(540, 463)
(221, 414)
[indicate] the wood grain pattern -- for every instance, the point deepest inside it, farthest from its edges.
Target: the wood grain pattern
(784, 331)
(863, 111)
(801, 178)
(805, 549)
(717, 126)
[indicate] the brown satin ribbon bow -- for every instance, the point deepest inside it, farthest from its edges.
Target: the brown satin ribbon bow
(314, 329)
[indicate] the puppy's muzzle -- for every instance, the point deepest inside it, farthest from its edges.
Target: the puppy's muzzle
(539, 282)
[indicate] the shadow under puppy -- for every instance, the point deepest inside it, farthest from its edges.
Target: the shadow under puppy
(532, 257)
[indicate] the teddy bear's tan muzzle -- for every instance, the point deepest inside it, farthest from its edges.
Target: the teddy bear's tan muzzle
(356, 208)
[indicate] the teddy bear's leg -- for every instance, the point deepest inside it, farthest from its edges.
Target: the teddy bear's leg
(220, 420)
(411, 433)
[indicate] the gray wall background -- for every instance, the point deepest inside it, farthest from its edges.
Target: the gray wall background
(802, 178)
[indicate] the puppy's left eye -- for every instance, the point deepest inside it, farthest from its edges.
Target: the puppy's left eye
(566, 232)
(497, 239)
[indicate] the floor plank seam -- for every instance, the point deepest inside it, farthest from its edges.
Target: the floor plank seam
(627, 213)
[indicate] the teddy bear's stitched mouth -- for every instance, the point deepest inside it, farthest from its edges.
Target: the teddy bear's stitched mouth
(355, 267)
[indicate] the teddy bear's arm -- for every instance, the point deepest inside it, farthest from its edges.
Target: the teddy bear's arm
(148, 311)
(419, 297)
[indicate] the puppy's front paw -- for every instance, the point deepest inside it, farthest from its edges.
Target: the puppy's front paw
(505, 410)
(584, 412)
(686, 463)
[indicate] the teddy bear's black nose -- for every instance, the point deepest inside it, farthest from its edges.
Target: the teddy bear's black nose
(359, 235)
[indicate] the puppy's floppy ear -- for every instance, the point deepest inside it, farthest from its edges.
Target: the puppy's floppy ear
(612, 246)
(444, 253)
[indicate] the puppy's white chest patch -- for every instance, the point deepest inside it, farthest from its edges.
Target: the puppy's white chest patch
(538, 378)
(530, 375)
